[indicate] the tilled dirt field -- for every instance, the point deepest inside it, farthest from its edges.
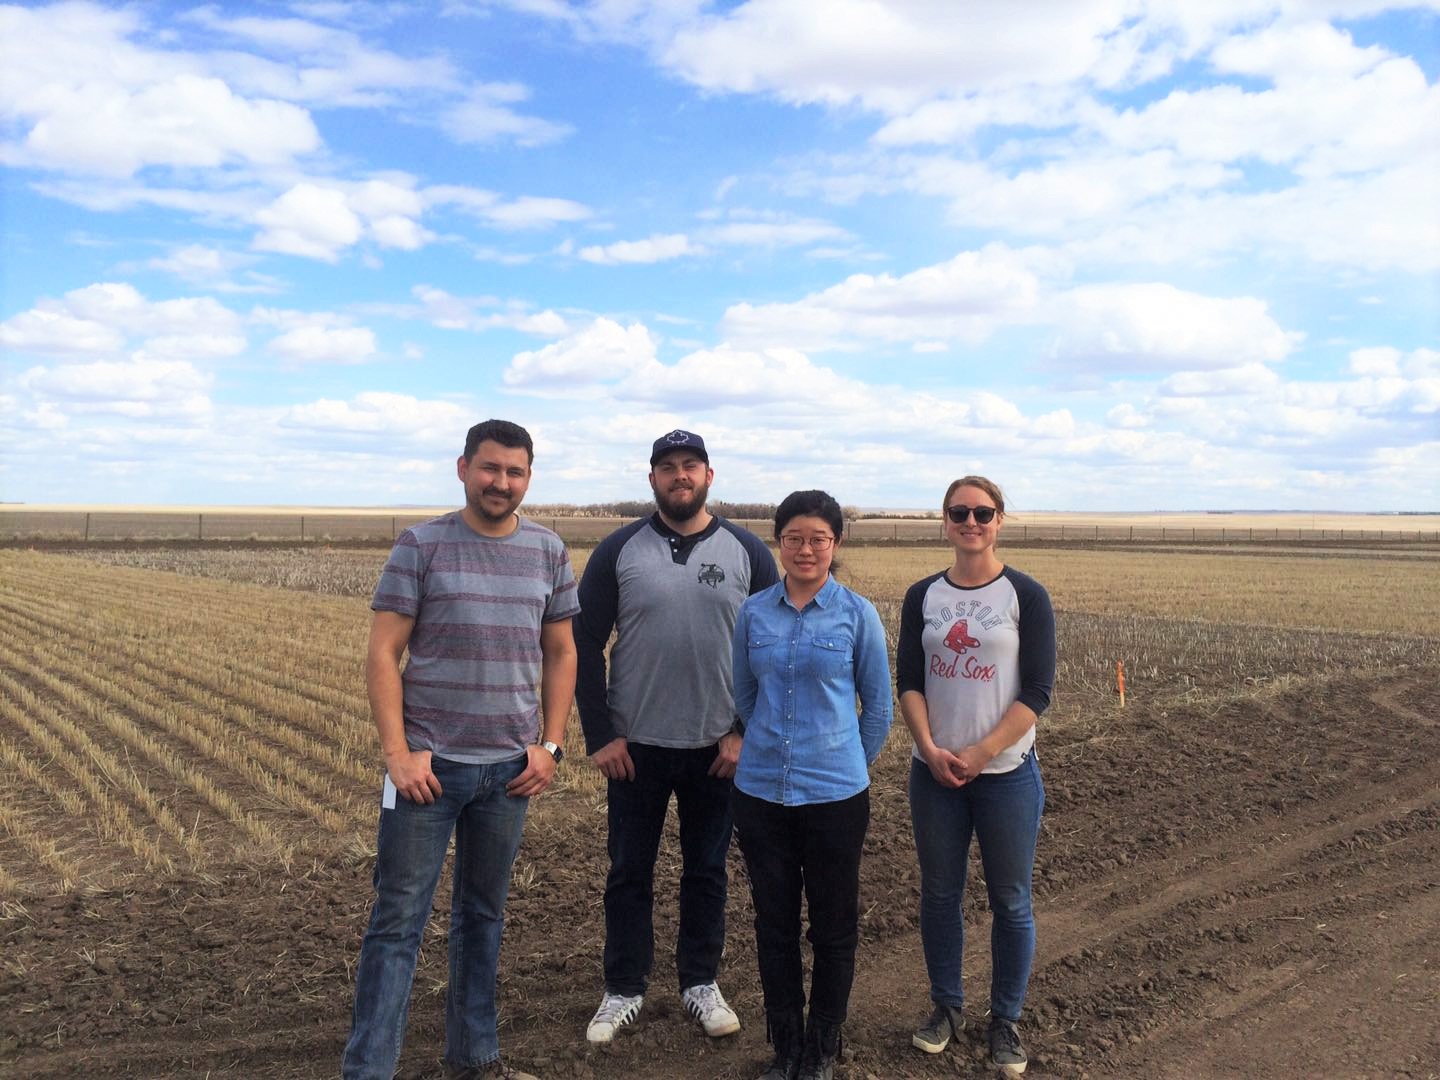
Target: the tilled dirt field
(1248, 886)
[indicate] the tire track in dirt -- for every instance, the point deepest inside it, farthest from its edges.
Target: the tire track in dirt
(1106, 910)
(1137, 964)
(1315, 1017)
(198, 1049)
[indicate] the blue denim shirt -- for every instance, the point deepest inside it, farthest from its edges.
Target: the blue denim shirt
(797, 675)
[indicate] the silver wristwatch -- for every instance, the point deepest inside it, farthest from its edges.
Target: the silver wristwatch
(555, 751)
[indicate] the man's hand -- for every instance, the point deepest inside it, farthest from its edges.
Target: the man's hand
(539, 770)
(613, 759)
(727, 756)
(410, 773)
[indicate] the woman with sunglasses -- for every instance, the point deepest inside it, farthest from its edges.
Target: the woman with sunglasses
(804, 650)
(975, 667)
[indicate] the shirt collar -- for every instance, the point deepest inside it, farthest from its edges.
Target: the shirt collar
(692, 538)
(823, 598)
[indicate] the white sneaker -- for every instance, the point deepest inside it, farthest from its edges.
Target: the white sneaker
(706, 1005)
(616, 1010)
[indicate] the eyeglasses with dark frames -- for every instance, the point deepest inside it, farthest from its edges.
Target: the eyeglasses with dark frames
(983, 514)
(791, 542)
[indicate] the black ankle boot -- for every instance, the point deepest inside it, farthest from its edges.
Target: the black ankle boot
(786, 1031)
(822, 1047)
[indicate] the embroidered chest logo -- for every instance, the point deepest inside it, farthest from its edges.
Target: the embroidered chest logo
(958, 640)
(710, 574)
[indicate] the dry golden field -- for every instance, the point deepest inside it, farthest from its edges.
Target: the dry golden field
(1240, 866)
(1375, 589)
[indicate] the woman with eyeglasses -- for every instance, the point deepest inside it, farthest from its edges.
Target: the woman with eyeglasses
(804, 650)
(975, 667)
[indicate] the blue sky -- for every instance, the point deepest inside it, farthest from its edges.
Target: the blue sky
(1117, 255)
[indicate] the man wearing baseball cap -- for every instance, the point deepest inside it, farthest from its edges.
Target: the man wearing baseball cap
(668, 586)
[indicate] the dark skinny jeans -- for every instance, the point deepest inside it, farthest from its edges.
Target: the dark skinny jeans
(812, 848)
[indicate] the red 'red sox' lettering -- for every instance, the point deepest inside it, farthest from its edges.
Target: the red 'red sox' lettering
(972, 668)
(976, 670)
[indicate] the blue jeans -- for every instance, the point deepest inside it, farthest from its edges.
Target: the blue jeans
(813, 848)
(410, 855)
(1002, 810)
(637, 810)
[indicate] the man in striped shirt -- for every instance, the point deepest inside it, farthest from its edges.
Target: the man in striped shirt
(482, 600)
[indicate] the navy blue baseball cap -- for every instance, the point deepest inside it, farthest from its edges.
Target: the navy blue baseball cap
(679, 440)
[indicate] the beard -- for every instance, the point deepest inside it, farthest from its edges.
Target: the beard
(477, 504)
(682, 504)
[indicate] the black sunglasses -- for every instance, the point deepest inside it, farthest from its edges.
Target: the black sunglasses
(983, 514)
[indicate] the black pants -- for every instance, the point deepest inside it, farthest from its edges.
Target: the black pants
(815, 848)
(637, 810)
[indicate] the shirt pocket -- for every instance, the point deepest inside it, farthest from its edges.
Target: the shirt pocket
(831, 654)
(762, 650)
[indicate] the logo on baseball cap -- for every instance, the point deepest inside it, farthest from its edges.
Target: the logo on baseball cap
(679, 440)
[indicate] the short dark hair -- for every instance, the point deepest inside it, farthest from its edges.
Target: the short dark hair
(501, 431)
(810, 504)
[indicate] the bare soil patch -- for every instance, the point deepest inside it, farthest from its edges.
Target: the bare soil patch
(1246, 888)
(1239, 874)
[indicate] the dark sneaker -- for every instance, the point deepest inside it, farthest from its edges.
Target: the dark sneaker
(491, 1070)
(1006, 1053)
(786, 1031)
(934, 1035)
(822, 1046)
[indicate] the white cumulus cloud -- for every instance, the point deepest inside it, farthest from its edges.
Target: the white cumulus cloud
(325, 345)
(101, 319)
(308, 220)
(134, 388)
(576, 365)
(1155, 327)
(113, 108)
(962, 299)
(46, 329)
(653, 249)
(376, 413)
(889, 57)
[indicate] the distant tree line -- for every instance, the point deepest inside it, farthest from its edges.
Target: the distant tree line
(634, 508)
(855, 514)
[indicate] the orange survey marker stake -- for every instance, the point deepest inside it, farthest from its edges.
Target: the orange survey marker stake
(1120, 680)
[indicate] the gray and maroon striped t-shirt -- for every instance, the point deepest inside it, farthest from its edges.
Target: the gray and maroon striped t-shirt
(478, 603)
